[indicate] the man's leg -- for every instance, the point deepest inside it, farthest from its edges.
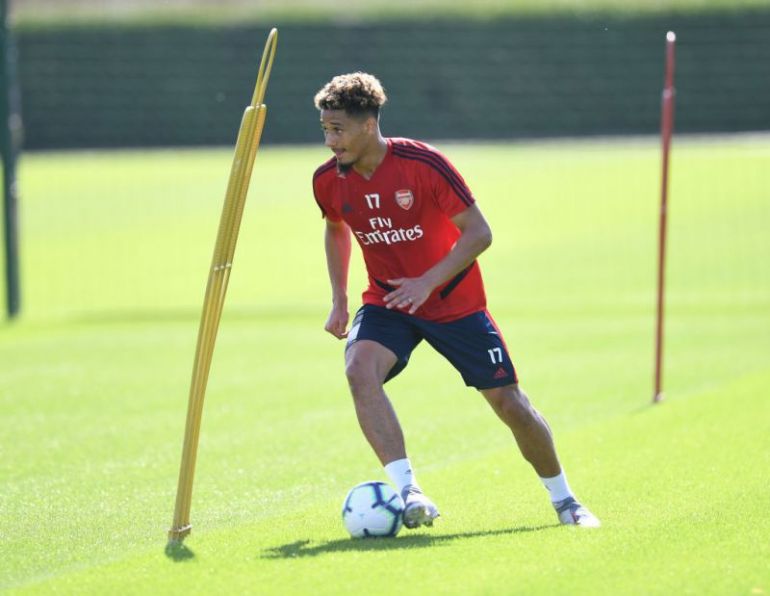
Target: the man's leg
(535, 441)
(531, 431)
(367, 364)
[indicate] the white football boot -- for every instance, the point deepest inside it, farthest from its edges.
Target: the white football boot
(419, 510)
(572, 513)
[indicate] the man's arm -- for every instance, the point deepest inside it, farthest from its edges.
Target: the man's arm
(337, 244)
(475, 238)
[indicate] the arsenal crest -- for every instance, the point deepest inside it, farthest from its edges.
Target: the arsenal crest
(405, 199)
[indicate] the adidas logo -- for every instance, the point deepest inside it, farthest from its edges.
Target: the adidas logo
(501, 373)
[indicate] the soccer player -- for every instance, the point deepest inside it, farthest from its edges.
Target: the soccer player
(421, 232)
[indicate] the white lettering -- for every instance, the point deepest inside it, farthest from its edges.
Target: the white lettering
(373, 200)
(380, 222)
(495, 355)
(389, 236)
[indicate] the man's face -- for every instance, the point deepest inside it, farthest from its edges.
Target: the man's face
(347, 136)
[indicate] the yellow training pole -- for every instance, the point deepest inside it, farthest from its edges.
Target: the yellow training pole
(250, 132)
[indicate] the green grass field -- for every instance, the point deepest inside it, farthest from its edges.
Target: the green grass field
(94, 380)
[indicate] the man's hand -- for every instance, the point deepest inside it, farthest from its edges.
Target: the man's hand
(410, 293)
(337, 323)
(475, 237)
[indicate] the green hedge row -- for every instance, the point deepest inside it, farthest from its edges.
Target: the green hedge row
(122, 86)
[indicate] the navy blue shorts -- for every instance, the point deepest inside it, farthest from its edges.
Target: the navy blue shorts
(472, 344)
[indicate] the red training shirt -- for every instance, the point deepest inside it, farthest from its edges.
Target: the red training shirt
(401, 219)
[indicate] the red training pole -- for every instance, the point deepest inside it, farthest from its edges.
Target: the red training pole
(666, 126)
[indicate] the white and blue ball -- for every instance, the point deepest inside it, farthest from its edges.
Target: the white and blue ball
(372, 509)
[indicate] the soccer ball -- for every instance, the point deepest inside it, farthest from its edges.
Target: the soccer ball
(372, 509)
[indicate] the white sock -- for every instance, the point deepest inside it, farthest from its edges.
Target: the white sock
(400, 473)
(557, 487)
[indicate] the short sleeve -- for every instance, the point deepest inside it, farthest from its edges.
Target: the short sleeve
(451, 193)
(323, 197)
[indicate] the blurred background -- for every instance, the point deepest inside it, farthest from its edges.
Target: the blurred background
(135, 73)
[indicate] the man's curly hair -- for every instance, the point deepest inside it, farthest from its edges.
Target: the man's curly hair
(358, 93)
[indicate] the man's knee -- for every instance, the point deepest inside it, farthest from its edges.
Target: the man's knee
(366, 365)
(361, 374)
(511, 403)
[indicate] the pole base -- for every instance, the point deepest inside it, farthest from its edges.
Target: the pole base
(178, 534)
(657, 398)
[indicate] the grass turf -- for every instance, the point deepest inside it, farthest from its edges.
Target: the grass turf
(94, 381)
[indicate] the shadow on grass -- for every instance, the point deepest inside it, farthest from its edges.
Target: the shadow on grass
(301, 548)
(178, 552)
